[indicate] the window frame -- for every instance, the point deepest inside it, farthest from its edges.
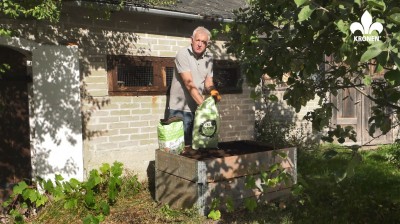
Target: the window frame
(229, 64)
(159, 65)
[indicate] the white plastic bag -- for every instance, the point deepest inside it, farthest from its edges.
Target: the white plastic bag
(171, 135)
(206, 125)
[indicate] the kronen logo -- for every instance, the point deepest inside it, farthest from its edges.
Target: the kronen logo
(366, 27)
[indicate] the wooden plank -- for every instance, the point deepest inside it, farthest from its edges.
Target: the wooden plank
(235, 190)
(175, 191)
(182, 182)
(236, 166)
(177, 165)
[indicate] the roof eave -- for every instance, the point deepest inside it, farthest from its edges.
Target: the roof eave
(160, 12)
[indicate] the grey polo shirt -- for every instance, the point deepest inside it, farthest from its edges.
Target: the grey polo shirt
(185, 61)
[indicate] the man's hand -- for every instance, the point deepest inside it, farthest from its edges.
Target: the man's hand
(215, 94)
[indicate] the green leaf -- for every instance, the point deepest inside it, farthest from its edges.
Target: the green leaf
(41, 200)
(226, 27)
(105, 168)
(21, 186)
(377, 4)
(395, 17)
(274, 167)
(117, 169)
(393, 77)
(300, 2)
(342, 26)
(33, 195)
(255, 95)
(214, 215)
(281, 154)
(273, 98)
(100, 218)
(90, 199)
(59, 177)
(229, 204)
(372, 51)
(378, 68)
(367, 80)
(396, 59)
(48, 186)
(250, 204)
(105, 208)
(250, 182)
(71, 203)
(90, 219)
(26, 193)
(305, 13)
(74, 183)
(358, 2)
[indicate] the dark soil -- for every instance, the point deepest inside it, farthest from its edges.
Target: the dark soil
(226, 149)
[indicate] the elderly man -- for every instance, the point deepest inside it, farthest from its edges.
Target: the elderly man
(193, 78)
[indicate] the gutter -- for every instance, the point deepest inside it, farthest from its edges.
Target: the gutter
(138, 9)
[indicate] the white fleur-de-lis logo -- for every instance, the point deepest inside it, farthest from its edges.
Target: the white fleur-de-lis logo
(366, 26)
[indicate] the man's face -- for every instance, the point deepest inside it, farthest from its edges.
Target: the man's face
(199, 43)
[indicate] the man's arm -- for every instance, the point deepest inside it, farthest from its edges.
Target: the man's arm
(209, 84)
(189, 84)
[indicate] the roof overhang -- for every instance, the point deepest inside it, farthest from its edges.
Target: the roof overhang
(148, 10)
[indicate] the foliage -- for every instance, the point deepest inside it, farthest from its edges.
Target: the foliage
(214, 214)
(39, 10)
(274, 176)
(393, 154)
(281, 133)
(95, 195)
(369, 195)
(309, 43)
(274, 131)
(50, 10)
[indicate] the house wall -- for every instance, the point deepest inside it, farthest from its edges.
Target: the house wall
(123, 128)
(280, 112)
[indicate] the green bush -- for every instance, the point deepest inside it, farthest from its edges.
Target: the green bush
(92, 198)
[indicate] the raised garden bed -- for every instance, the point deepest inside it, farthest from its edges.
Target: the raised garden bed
(196, 177)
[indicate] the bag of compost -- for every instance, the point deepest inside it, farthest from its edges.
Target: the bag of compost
(170, 135)
(206, 125)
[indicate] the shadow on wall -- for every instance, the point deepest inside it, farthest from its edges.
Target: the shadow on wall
(278, 125)
(61, 119)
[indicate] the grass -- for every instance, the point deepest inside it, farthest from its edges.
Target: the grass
(371, 195)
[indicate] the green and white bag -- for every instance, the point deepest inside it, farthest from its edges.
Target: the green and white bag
(171, 135)
(206, 125)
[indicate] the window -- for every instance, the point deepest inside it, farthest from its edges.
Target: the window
(227, 76)
(133, 75)
(139, 75)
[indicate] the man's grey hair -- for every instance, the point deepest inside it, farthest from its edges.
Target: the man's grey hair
(201, 29)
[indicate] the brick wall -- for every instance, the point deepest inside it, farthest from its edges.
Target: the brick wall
(128, 124)
(280, 111)
(123, 128)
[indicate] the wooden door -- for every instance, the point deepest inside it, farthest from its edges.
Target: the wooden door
(354, 109)
(15, 154)
(377, 138)
(349, 108)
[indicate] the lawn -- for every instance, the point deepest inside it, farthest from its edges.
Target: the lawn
(370, 194)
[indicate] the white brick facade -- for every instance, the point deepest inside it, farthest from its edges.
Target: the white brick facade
(123, 128)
